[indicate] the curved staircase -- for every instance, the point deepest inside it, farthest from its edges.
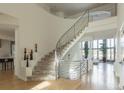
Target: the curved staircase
(47, 67)
(51, 67)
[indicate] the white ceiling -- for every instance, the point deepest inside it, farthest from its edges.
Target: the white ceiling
(70, 8)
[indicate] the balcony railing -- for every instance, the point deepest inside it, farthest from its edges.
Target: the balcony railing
(102, 12)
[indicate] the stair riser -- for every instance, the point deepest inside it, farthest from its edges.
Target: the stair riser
(44, 77)
(46, 62)
(40, 69)
(43, 72)
(45, 66)
(48, 73)
(37, 74)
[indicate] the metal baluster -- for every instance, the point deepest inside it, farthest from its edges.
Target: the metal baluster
(80, 70)
(87, 65)
(74, 32)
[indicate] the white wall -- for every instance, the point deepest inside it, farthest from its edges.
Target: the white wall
(35, 26)
(120, 21)
(7, 19)
(101, 29)
(118, 67)
(103, 25)
(74, 52)
(5, 48)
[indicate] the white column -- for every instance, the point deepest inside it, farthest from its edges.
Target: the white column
(120, 21)
(117, 66)
(16, 58)
(19, 63)
(90, 61)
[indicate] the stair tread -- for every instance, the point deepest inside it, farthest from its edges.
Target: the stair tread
(42, 74)
(45, 68)
(43, 77)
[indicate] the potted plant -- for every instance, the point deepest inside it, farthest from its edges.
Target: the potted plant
(86, 49)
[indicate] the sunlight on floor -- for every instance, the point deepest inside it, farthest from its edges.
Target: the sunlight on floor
(42, 85)
(60, 84)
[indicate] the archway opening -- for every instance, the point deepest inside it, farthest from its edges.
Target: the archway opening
(8, 26)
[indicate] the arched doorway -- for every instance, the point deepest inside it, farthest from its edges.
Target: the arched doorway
(8, 26)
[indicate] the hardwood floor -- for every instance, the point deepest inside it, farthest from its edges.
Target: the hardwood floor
(102, 77)
(61, 84)
(9, 82)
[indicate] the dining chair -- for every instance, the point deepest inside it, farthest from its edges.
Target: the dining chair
(10, 63)
(2, 62)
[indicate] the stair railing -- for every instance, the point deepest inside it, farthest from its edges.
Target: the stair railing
(79, 27)
(75, 30)
(73, 69)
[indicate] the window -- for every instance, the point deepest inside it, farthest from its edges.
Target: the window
(100, 43)
(108, 42)
(95, 44)
(82, 48)
(108, 54)
(97, 51)
(112, 42)
(95, 55)
(81, 45)
(110, 49)
(82, 52)
(100, 54)
(112, 54)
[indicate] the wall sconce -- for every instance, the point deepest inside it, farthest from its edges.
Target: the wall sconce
(27, 57)
(25, 51)
(31, 55)
(35, 47)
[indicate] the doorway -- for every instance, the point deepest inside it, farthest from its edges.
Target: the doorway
(7, 44)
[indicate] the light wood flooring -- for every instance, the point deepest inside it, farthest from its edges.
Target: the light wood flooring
(9, 82)
(102, 77)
